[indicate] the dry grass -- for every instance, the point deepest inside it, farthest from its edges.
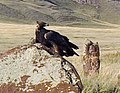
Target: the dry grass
(108, 80)
(12, 35)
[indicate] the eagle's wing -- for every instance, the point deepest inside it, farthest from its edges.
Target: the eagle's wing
(69, 43)
(62, 42)
(55, 37)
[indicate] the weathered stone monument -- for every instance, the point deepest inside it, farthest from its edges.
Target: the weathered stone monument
(91, 60)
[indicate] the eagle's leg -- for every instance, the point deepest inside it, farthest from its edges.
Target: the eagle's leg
(49, 50)
(56, 49)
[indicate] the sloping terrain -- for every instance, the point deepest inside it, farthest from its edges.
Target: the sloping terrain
(31, 11)
(59, 11)
(110, 11)
(107, 10)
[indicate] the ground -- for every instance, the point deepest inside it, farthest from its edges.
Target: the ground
(12, 35)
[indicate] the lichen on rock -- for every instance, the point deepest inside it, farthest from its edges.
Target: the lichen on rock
(32, 70)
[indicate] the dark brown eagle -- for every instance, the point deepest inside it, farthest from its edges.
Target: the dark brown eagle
(53, 40)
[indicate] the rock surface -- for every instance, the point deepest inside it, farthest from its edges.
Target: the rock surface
(26, 69)
(91, 58)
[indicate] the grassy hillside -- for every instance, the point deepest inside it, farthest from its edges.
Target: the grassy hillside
(110, 11)
(65, 12)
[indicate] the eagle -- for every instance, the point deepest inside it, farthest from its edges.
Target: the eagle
(54, 40)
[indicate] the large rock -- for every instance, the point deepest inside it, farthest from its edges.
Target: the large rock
(27, 69)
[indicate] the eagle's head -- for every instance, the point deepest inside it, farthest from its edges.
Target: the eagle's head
(41, 24)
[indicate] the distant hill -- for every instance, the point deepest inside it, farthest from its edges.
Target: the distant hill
(77, 12)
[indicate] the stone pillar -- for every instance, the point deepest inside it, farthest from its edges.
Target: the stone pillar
(91, 61)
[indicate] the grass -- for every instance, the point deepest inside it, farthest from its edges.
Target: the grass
(89, 25)
(6, 19)
(111, 58)
(108, 80)
(12, 35)
(17, 34)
